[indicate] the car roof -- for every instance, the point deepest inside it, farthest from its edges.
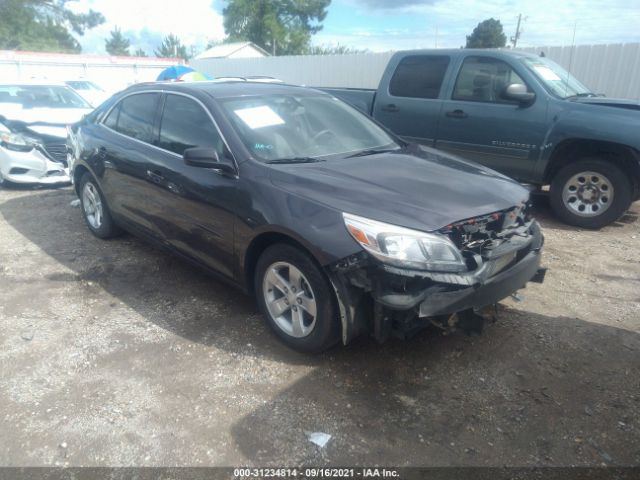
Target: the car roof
(499, 52)
(33, 83)
(217, 89)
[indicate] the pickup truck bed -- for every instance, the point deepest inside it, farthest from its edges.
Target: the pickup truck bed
(361, 98)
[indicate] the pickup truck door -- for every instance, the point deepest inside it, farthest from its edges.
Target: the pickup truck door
(410, 106)
(478, 124)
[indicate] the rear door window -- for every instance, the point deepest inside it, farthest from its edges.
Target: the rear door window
(419, 76)
(134, 116)
(185, 124)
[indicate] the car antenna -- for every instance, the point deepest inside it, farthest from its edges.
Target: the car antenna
(573, 46)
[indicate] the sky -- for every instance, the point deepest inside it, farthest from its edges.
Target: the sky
(380, 25)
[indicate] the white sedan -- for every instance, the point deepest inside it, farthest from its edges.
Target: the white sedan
(88, 90)
(33, 131)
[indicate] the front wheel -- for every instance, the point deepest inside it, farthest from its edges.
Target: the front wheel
(296, 299)
(590, 193)
(3, 182)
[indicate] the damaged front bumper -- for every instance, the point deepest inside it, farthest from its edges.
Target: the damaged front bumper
(381, 299)
(35, 166)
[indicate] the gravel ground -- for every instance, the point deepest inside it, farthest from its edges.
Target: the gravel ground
(114, 353)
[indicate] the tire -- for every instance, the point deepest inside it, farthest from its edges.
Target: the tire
(306, 287)
(102, 225)
(600, 188)
(4, 183)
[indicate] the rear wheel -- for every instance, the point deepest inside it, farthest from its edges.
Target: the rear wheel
(590, 193)
(296, 299)
(95, 209)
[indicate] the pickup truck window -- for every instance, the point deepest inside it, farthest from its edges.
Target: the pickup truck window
(419, 76)
(555, 78)
(484, 79)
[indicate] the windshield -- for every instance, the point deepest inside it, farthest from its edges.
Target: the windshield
(83, 85)
(557, 80)
(277, 127)
(41, 96)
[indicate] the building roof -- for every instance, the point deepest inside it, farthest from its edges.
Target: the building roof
(225, 50)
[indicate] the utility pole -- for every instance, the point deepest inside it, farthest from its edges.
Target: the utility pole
(516, 37)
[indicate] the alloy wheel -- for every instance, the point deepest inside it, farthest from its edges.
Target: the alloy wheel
(92, 205)
(289, 299)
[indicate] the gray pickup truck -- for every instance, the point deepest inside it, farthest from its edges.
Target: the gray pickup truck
(520, 114)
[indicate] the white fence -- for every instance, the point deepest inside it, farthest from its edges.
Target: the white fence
(362, 70)
(112, 73)
(610, 69)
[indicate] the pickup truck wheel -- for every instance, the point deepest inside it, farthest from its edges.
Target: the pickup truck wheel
(95, 209)
(590, 193)
(296, 299)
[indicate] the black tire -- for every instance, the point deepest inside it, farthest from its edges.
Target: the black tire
(326, 330)
(622, 190)
(5, 183)
(107, 228)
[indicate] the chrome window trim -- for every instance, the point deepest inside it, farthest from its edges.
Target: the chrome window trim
(167, 92)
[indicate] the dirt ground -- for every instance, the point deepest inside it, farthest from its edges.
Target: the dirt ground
(114, 353)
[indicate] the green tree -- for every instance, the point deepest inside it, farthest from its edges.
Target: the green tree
(282, 27)
(43, 25)
(172, 47)
(117, 44)
(332, 50)
(139, 53)
(488, 34)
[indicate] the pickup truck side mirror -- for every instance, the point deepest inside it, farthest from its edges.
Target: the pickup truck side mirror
(206, 158)
(518, 92)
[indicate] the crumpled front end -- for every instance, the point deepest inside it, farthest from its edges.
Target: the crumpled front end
(37, 165)
(502, 252)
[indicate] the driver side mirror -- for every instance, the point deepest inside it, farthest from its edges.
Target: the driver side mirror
(518, 92)
(206, 158)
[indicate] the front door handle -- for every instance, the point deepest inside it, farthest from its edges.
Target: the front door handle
(391, 108)
(155, 176)
(457, 114)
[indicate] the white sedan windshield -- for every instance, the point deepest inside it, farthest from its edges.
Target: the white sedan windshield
(277, 127)
(41, 96)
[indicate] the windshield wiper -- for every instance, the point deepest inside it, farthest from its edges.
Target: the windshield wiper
(373, 151)
(578, 95)
(295, 160)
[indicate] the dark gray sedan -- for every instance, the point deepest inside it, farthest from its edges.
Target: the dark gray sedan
(337, 226)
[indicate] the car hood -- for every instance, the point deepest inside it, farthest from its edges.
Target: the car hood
(51, 122)
(52, 116)
(425, 190)
(609, 102)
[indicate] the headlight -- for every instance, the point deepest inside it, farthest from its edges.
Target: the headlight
(404, 247)
(14, 141)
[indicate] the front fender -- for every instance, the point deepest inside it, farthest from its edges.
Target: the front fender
(587, 123)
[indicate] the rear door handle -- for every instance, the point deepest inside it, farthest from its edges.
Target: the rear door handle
(155, 176)
(456, 114)
(391, 108)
